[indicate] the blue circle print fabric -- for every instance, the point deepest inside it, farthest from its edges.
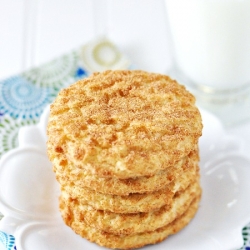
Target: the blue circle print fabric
(7, 241)
(21, 99)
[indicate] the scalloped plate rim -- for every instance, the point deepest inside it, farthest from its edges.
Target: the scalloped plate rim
(235, 239)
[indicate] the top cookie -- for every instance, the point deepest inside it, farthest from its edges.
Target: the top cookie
(123, 124)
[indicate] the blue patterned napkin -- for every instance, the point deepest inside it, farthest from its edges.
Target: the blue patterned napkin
(7, 241)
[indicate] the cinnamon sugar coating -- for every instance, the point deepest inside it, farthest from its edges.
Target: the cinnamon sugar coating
(133, 223)
(123, 124)
(69, 175)
(130, 241)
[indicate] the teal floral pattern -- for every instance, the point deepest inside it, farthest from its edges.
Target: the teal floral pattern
(20, 98)
(246, 237)
(23, 97)
(9, 128)
(56, 74)
(8, 241)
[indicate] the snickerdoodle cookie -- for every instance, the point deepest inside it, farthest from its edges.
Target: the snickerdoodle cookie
(124, 149)
(123, 124)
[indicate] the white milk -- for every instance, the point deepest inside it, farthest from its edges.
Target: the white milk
(211, 41)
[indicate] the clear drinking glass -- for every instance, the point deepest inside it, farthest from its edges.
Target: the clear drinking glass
(211, 53)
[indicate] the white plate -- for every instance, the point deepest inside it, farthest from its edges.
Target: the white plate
(28, 195)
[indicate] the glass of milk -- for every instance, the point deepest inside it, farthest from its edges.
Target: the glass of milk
(211, 53)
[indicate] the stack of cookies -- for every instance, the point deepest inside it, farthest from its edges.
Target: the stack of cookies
(124, 148)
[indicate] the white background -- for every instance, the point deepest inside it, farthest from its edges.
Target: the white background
(35, 31)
